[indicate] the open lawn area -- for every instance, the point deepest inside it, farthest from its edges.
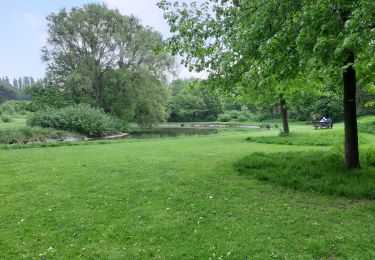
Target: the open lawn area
(181, 198)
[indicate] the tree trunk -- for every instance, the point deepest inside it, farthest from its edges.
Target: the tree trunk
(350, 115)
(98, 98)
(284, 115)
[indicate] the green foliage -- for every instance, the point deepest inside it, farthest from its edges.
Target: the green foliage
(190, 102)
(135, 97)
(45, 97)
(224, 118)
(122, 71)
(13, 107)
(6, 118)
(317, 173)
(78, 118)
(23, 135)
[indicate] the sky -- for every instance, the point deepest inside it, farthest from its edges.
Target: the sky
(23, 30)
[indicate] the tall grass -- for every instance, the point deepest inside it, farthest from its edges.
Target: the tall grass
(316, 171)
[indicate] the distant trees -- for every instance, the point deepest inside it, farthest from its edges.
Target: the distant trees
(190, 102)
(11, 92)
(108, 60)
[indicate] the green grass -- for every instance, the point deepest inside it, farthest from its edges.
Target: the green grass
(315, 171)
(172, 198)
(16, 122)
(367, 125)
(319, 138)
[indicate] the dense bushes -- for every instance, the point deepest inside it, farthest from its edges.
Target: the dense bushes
(79, 118)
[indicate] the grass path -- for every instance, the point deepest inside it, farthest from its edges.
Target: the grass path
(168, 198)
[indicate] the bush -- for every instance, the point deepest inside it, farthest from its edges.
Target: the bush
(79, 118)
(6, 118)
(224, 118)
(12, 107)
(242, 118)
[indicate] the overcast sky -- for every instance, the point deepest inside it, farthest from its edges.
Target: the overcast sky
(23, 30)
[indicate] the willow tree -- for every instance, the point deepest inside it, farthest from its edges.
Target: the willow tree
(264, 43)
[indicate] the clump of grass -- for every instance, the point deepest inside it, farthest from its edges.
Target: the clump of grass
(367, 127)
(24, 135)
(317, 171)
(323, 138)
(6, 118)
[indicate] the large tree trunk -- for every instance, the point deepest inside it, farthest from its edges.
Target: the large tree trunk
(284, 115)
(350, 115)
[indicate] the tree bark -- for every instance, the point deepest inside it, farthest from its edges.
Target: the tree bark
(98, 94)
(350, 115)
(284, 115)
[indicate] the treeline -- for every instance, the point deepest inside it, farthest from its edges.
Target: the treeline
(14, 92)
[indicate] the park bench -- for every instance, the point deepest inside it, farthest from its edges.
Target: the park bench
(326, 125)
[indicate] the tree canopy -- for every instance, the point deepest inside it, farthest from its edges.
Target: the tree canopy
(99, 56)
(265, 44)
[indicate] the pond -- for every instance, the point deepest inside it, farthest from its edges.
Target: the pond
(169, 132)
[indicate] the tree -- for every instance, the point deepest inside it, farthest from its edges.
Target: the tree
(15, 83)
(87, 42)
(190, 102)
(274, 41)
(20, 85)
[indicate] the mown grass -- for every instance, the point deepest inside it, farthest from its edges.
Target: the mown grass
(171, 198)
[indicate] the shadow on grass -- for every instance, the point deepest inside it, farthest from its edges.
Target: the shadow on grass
(316, 171)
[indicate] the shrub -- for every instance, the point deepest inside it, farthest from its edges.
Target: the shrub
(242, 118)
(6, 118)
(224, 118)
(12, 107)
(79, 118)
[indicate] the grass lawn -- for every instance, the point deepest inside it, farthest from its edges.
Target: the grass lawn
(16, 122)
(172, 198)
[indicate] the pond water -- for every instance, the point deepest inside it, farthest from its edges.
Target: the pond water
(169, 132)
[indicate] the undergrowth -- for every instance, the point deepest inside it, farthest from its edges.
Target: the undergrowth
(24, 135)
(316, 171)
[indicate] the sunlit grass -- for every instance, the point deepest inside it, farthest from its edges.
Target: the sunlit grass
(173, 198)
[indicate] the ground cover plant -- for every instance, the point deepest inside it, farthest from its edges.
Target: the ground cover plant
(172, 198)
